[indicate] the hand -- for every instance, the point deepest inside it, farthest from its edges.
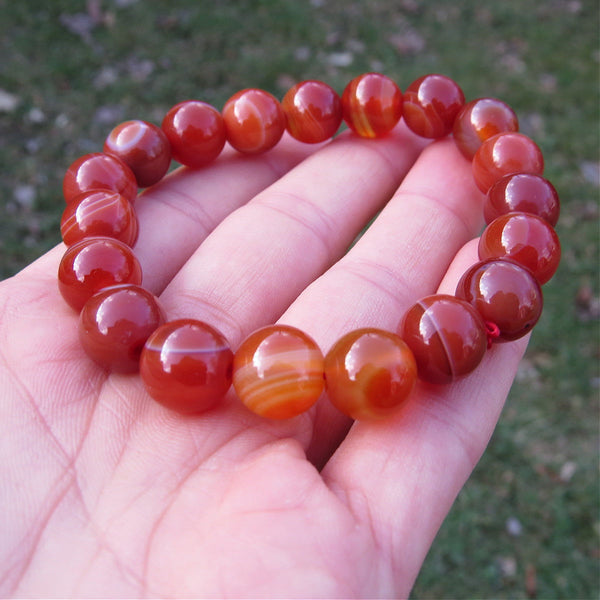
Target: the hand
(106, 493)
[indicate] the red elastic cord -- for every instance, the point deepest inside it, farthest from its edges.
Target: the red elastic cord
(493, 333)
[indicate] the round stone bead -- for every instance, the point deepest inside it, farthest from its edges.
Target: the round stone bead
(527, 239)
(371, 105)
(313, 111)
(505, 154)
(479, 120)
(99, 171)
(522, 192)
(503, 293)
(431, 104)
(446, 335)
(93, 264)
(196, 132)
(278, 372)
(254, 121)
(369, 373)
(115, 323)
(99, 213)
(143, 147)
(186, 365)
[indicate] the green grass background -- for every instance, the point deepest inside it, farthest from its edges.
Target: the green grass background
(527, 522)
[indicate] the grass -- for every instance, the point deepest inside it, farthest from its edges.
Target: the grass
(527, 521)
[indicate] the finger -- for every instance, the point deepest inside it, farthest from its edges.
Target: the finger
(401, 476)
(177, 214)
(262, 256)
(402, 257)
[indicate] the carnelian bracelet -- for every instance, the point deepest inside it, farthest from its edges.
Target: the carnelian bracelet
(278, 371)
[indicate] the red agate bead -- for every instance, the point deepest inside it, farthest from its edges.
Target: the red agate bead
(313, 111)
(505, 294)
(527, 239)
(196, 132)
(522, 192)
(115, 323)
(186, 365)
(505, 154)
(369, 373)
(446, 335)
(99, 171)
(278, 372)
(99, 213)
(371, 105)
(143, 147)
(93, 264)
(431, 104)
(254, 121)
(479, 120)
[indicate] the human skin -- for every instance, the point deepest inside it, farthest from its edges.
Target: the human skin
(105, 493)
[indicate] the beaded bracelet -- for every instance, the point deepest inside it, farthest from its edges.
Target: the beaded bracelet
(278, 371)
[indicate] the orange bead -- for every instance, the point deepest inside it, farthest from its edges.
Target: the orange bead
(254, 121)
(99, 213)
(479, 120)
(278, 372)
(186, 365)
(369, 373)
(504, 154)
(196, 132)
(144, 147)
(115, 323)
(431, 104)
(525, 238)
(99, 171)
(94, 264)
(313, 111)
(447, 336)
(372, 105)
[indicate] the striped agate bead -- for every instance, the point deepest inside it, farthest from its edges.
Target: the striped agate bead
(102, 213)
(371, 105)
(254, 121)
(278, 372)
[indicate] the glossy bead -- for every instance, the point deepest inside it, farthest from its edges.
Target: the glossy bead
(93, 264)
(446, 335)
(371, 105)
(431, 104)
(505, 154)
(479, 120)
(196, 132)
(503, 293)
(527, 239)
(254, 121)
(278, 372)
(99, 171)
(115, 323)
(99, 213)
(143, 147)
(313, 111)
(186, 365)
(369, 373)
(522, 192)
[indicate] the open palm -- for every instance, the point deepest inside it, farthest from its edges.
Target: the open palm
(105, 493)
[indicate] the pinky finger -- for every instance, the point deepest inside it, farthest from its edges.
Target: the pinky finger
(401, 476)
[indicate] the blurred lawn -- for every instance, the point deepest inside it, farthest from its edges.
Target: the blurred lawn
(527, 522)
